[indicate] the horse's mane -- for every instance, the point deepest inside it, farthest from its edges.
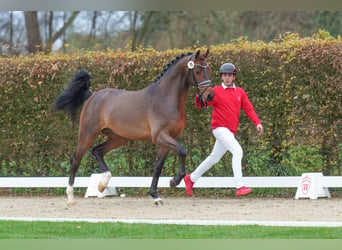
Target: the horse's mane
(170, 64)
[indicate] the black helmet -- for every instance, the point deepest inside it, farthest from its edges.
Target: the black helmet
(228, 68)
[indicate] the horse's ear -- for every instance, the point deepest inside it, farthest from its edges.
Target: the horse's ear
(197, 54)
(206, 53)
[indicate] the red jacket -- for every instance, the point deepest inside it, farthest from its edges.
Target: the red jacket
(227, 105)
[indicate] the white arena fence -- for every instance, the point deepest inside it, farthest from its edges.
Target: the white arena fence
(203, 182)
(309, 185)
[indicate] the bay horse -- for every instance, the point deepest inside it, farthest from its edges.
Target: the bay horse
(155, 113)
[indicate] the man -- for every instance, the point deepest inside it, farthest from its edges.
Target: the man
(227, 104)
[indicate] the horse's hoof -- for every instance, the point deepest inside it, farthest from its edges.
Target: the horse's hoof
(101, 188)
(71, 203)
(173, 183)
(158, 202)
(103, 183)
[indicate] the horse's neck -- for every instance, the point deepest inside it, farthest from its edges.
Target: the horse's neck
(174, 87)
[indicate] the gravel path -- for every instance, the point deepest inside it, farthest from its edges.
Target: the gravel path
(175, 208)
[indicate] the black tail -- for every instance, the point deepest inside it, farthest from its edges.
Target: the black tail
(74, 95)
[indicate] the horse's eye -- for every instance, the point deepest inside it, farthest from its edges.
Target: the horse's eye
(198, 72)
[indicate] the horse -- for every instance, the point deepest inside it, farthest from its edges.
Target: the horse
(155, 113)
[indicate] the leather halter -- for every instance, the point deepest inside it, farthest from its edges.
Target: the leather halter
(206, 83)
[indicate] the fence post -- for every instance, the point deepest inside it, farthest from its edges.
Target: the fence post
(310, 186)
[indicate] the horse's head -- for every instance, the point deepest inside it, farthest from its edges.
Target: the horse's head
(200, 71)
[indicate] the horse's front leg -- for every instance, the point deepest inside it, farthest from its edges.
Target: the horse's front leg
(161, 156)
(169, 142)
(181, 172)
(114, 141)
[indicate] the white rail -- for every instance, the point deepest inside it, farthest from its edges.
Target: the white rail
(309, 185)
(204, 182)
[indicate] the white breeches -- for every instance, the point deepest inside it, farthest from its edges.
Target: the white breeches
(225, 141)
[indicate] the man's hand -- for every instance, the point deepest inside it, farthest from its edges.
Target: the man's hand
(260, 129)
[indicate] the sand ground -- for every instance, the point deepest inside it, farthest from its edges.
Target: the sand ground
(179, 208)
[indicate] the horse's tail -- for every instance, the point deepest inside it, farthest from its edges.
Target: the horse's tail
(74, 95)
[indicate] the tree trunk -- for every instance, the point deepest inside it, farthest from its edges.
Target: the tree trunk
(11, 33)
(61, 31)
(92, 33)
(50, 25)
(134, 31)
(34, 42)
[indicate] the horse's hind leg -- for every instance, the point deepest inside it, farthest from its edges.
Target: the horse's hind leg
(75, 162)
(85, 139)
(99, 151)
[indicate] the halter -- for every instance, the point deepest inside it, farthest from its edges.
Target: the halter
(207, 83)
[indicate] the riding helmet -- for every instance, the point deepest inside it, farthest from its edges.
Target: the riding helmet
(228, 68)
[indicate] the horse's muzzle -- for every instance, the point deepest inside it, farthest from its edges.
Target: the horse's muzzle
(210, 97)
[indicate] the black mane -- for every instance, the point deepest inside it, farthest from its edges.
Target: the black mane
(170, 64)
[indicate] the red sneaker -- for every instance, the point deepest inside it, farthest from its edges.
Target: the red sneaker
(188, 185)
(243, 191)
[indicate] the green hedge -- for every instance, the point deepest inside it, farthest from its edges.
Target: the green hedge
(294, 83)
